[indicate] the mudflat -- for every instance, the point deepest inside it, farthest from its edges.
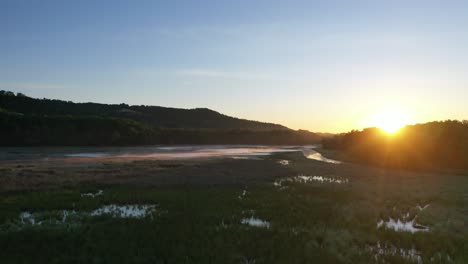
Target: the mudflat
(80, 171)
(208, 171)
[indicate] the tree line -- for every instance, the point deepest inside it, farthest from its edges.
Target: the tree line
(433, 145)
(26, 121)
(156, 116)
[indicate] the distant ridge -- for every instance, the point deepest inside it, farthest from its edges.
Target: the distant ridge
(26, 121)
(155, 116)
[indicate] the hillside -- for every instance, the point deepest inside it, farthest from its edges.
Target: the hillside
(155, 116)
(26, 121)
(433, 145)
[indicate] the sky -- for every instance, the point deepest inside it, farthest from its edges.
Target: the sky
(325, 66)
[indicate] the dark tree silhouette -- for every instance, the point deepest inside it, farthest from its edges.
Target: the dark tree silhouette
(434, 145)
(26, 121)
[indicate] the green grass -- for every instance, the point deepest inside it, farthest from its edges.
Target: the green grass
(310, 223)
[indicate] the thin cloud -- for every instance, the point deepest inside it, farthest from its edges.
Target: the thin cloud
(30, 86)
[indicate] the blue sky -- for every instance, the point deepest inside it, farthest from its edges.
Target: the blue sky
(317, 65)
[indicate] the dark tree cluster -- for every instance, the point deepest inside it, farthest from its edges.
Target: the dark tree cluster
(26, 121)
(433, 145)
(156, 116)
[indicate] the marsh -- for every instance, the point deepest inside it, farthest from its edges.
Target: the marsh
(205, 203)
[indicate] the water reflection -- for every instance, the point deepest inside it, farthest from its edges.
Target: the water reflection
(158, 152)
(312, 154)
(257, 222)
(145, 152)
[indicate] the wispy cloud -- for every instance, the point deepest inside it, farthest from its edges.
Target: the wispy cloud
(30, 86)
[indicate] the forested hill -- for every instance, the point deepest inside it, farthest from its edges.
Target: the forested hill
(433, 145)
(155, 116)
(26, 121)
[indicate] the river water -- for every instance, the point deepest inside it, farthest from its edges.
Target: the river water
(156, 152)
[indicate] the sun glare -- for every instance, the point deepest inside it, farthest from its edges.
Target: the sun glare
(391, 120)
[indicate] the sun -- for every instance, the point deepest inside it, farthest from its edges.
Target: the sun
(391, 120)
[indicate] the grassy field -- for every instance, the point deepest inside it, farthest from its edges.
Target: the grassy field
(328, 219)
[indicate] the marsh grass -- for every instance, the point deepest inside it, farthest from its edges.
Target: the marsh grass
(309, 223)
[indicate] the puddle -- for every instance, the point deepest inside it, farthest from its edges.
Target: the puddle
(242, 195)
(66, 214)
(407, 223)
(252, 221)
(125, 211)
(312, 154)
(93, 195)
(279, 183)
(28, 218)
(303, 178)
(384, 250)
(284, 162)
(71, 217)
(45, 218)
(402, 226)
(423, 207)
(307, 179)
